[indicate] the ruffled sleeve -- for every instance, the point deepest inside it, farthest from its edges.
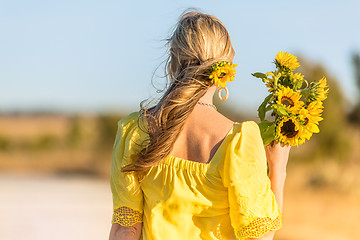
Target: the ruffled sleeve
(253, 207)
(126, 192)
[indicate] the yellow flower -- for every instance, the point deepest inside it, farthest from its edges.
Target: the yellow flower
(314, 111)
(321, 91)
(297, 76)
(288, 131)
(310, 123)
(287, 60)
(318, 91)
(289, 99)
(223, 72)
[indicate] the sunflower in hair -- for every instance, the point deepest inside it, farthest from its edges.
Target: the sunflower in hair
(222, 72)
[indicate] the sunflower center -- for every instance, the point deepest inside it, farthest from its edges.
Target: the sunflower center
(222, 74)
(287, 102)
(288, 129)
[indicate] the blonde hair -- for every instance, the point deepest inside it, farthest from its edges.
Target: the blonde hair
(198, 42)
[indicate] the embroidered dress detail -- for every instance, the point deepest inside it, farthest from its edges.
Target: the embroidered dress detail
(259, 227)
(126, 216)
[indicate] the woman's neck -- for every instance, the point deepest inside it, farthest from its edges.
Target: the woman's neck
(208, 96)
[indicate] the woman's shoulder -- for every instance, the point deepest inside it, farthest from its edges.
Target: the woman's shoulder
(245, 150)
(128, 119)
(129, 137)
(250, 125)
(246, 137)
(129, 127)
(246, 127)
(132, 121)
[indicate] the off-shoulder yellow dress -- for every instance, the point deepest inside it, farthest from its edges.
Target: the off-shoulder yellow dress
(227, 198)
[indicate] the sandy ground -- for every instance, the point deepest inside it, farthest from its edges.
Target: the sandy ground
(321, 202)
(54, 207)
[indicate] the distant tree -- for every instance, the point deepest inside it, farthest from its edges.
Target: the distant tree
(356, 63)
(354, 115)
(107, 127)
(74, 135)
(5, 143)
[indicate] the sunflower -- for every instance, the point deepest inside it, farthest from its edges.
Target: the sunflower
(297, 76)
(288, 131)
(287, 60)
(310, 124)
(289, 99)
(321, 91)
(222, 72)
(315, 109)
(317, 91)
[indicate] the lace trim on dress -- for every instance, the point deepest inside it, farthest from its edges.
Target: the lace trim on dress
(259, 227)
(126, 216)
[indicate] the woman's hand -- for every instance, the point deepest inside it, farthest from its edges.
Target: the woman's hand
(118, 232)
(277, 155)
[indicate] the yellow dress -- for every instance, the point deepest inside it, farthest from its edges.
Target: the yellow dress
(227, 198)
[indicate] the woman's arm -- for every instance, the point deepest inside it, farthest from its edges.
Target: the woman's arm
(119, 232)
(277, 156)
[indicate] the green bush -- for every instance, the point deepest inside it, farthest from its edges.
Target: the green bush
(107, 127)
(5, 144)
(74, 135)
(45, 141)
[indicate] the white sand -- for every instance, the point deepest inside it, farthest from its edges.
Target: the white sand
(50, 207)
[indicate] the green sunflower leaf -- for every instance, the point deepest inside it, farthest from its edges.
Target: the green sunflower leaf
(280, 110)
(268, 108)
(262, 108)
(267, 130)
(259, 75)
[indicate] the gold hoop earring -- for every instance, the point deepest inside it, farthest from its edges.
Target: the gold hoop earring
(219, 93)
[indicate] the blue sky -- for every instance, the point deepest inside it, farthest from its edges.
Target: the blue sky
(93, 56)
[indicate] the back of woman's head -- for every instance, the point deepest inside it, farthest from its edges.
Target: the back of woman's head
(197, 43)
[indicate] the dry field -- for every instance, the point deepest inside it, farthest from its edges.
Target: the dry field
(322, 199)
(326, 209)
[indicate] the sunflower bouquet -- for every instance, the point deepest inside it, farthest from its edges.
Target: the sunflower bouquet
(296, 105)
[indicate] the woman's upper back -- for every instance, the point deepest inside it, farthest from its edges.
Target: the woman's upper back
(202, 134)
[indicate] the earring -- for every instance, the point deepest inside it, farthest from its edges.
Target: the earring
(219, 93)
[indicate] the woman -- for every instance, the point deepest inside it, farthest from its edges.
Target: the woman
(181, 170)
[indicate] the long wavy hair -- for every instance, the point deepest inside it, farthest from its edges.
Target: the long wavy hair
(197, 42)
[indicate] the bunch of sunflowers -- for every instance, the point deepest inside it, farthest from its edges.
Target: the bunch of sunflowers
(296, 105)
